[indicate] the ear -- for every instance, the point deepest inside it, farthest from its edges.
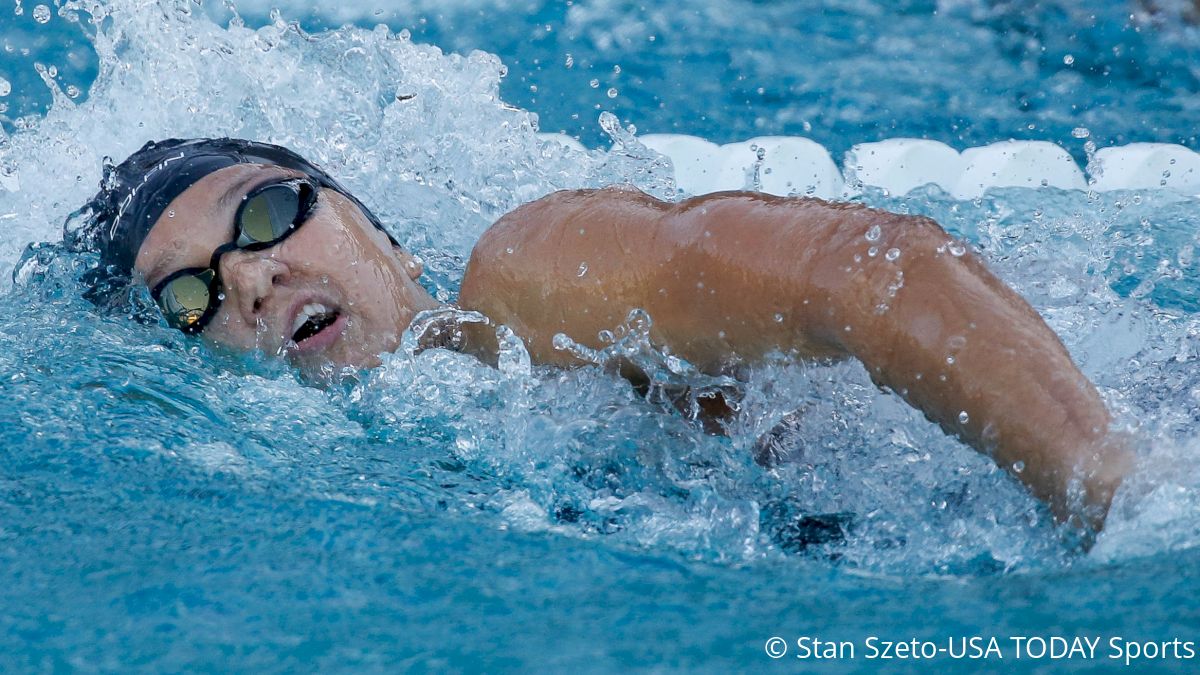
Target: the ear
(412, 262)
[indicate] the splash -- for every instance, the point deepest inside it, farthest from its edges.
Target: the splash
(423, 136)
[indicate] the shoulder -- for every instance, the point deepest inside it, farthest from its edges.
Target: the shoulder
(566, 219)
(542, 245)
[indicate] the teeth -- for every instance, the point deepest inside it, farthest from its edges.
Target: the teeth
(307, 312)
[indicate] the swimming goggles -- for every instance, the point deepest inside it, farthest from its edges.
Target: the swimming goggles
(189, 298)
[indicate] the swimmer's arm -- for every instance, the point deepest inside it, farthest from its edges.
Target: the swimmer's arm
(733, 276)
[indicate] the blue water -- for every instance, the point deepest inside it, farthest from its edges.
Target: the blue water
(166, 507)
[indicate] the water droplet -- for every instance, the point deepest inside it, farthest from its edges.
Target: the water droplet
(583, 268)
(41, 14)
(594, 84)
(963, 417)
(874, 233)
(612, 92)
(778, 317)
(892, 254)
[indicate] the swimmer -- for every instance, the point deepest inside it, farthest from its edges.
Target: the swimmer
(251, 247)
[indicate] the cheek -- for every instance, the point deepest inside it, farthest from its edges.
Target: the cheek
(227, 330)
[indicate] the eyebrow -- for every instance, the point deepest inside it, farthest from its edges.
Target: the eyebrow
(239, 189)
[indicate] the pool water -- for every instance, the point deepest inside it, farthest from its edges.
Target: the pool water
(167, 507)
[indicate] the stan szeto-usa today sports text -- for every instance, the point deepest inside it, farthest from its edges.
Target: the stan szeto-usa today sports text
(980, 648)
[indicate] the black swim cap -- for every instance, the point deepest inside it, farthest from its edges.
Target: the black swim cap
(134, 194)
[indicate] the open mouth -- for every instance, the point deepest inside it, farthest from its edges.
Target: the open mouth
(313, 319)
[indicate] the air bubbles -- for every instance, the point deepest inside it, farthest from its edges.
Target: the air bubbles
(1081, 132)
(569, 62)
(892, 254)
(41, 14)
(874, 233)
(583, 269)
(5, 87)
(594, 83)
(1069, 60)
(778, 317)
(73, 91)
(1018, 466)
(963, 417)
(956, 248)
(612, 92)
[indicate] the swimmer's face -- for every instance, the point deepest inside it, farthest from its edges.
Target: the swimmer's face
(337, 264)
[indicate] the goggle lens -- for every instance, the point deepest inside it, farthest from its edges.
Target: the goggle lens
(185, 299)
(269, 215)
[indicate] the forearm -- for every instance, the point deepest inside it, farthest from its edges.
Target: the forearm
(929, 321)
(971, 354)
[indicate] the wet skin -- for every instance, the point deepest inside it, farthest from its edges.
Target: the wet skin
(336, 258)
(727, 278)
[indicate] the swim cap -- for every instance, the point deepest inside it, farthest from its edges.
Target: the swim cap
(134, 194)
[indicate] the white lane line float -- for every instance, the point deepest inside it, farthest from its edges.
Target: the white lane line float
(900, 165)
(1153, 166)
(1029, 164)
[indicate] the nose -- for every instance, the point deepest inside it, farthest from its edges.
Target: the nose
(252, 278)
